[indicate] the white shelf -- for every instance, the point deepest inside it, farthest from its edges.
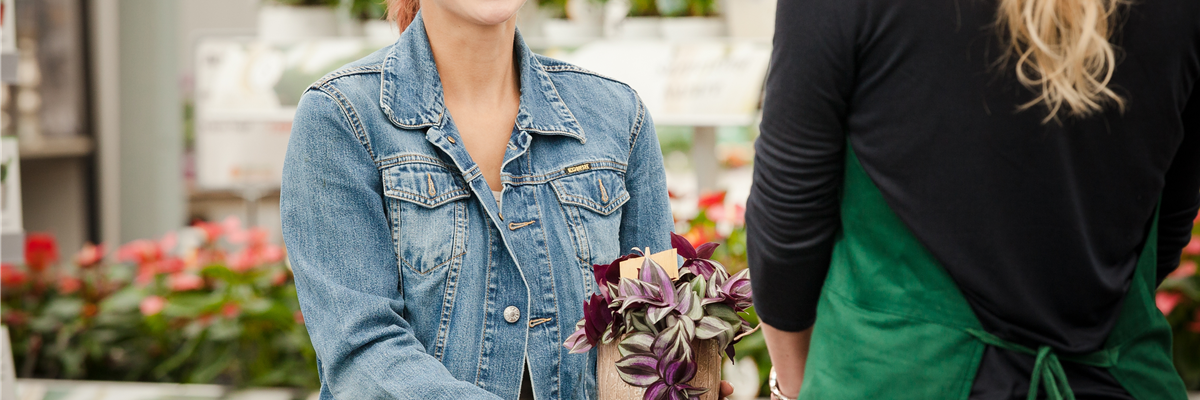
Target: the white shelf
(52, 147)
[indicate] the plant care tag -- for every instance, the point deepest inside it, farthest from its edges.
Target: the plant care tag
(667, 259)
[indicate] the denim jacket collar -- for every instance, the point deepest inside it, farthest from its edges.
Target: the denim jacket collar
(411, 90)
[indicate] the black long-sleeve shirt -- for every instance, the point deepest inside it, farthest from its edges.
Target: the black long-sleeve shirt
(1040, 224)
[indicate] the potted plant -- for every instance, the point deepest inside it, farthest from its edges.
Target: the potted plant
(690, 19)
(571, 22)
(642, 21)
(660, 330)
(287, 21)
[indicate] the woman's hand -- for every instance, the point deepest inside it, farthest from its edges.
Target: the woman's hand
(726, 390)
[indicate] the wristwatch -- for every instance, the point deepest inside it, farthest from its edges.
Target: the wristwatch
(773, 383)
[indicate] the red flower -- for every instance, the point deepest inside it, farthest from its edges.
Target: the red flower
(89, 256)
(1186, 268)
(298, 317)
(69, 284)
(1166, 301)
(40, 251)
(233, 229)
(231, 310)
(272, 254)
(712, 199)
(15, 317)
(739, 214)
(170, 265)
(11, 277)
(90, 310)
(183, 281)
(152, 305)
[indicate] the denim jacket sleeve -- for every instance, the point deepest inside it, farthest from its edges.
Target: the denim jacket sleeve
(340, 247)
(646, 219)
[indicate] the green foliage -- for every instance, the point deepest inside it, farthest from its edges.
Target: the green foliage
(368, 9)
(554, 8)
(224, 311)
(328, 3)
(686, 8)
(642, 8)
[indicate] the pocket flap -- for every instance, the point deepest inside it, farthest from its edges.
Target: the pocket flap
(425, 184)
(600, 190)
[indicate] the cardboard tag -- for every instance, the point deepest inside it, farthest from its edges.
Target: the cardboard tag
(667, 259)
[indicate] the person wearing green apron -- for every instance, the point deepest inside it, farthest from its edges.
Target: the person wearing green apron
(974, 200)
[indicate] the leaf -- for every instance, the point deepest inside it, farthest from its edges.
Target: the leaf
(636, 343)
(675, 372)
(711, 326)
(638, 370)
(683, 246)
(657, 391)
(706, 250)
(577, 342)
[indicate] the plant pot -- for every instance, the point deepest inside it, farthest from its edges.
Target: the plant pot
(290, 24)
(611, 387)
(751, 18)
(562, 32)
(687, 28)
(639, 28)
(381, 32)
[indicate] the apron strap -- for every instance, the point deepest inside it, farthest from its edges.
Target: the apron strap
(1047, 369)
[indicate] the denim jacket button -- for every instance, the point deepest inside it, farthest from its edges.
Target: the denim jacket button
(512, 314)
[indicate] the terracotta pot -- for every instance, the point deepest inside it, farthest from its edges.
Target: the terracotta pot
(611, 387)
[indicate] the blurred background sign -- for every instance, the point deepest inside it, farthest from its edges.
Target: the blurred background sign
(246, 91)
(691, 83)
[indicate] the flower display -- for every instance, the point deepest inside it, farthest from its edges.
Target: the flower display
(654, 320)
(1178, 298)
(210, 303)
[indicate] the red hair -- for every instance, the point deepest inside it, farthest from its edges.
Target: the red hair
(402, 12)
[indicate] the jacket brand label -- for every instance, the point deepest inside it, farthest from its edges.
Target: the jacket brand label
(579, 168)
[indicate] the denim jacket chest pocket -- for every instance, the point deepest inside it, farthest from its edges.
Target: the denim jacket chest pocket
(428, 214)
(592, 202)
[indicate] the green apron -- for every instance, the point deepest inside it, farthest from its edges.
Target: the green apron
(892, 324)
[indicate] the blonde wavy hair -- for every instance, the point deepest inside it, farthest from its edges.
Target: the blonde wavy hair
(1063, 53)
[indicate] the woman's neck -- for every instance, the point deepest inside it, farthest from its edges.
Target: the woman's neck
(475, 62)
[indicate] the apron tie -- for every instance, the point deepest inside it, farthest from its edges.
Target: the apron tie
(1047, 370)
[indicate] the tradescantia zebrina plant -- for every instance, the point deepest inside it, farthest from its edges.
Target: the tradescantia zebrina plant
(656, 321)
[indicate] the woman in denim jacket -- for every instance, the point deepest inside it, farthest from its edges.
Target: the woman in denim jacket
(442, 217)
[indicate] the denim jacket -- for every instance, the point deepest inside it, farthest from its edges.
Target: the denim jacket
(413, 282)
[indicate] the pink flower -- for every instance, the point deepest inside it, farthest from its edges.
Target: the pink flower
(233, 228)
(170, 265)
(231, 310)
(1166, 301)
(242, 261)
(69, 284)
(168, 242)
(739, 214)
(183, 281)
(212, 231)
(89, 256)
(139, 251)
(298, 317)
(272, 254)
(1186, 268)
(152, 305)
(40, 251)
(1193, 247)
